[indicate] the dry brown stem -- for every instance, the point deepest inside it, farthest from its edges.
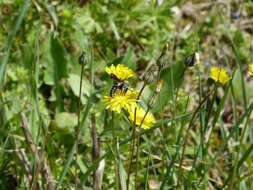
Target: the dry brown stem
(96, 154)
(42, 165)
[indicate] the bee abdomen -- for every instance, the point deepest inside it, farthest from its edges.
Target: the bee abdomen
(113, 90)
(118, 86)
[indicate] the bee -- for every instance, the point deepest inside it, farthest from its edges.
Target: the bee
(118, 85)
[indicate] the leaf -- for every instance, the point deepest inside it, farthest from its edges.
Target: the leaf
(122, 175)
(81, 164)
(11, 38)
(245, 156)
(172, 77)
(47, 62)
(66, 120)
(88, 23)
(54, 60)
(55, 63)
(58, 54)
(51, 11)
(66, 167)
(238, 89)
(128, 59)
(74, 82)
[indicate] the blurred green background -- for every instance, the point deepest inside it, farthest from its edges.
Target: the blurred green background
(40, 42)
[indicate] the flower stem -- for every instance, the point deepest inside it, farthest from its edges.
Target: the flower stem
(132, 147)
(114, 145)
(77, 129)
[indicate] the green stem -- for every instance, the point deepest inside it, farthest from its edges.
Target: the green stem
(78, 127)
(114, 145)
(188, 132)
(132, 147)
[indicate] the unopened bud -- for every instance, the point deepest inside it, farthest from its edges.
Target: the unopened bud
(191, 60)
(82, 58)
(148, 77)
(165, 48)
(162, 61)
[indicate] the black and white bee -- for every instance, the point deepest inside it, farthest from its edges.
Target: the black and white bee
(118, 85)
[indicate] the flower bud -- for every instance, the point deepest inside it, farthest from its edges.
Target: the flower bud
(191, 60)
(165, 48)
(148, 77)
(162, 60)
(82, 58)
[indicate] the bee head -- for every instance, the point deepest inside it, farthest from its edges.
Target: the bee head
(113, 76)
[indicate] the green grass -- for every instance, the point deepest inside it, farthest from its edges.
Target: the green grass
(202, 138)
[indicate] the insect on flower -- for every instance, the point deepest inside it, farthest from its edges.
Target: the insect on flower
(121, 100)
(120, 97)
(118, 85)
(119, 73)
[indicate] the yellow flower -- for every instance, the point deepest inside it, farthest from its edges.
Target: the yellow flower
(120, 71)
(219, 75)
(121, 100)
(251, 69)
(140, 113)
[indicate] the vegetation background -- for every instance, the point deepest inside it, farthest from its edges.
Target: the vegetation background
(203, 135)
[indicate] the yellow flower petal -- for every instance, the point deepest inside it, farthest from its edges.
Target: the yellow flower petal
(251, 69)
(121, 100)
(120, 71)
(149, 120)
(219, 75)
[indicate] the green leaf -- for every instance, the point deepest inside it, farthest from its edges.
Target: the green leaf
(122, 175)
(74, 82)
(129, 58)
(238, 89)
(58, 54)
(81, 164)
(245, 156)
(11, 38)
(51, 11)
(66, 167)
(54, 60)
(172, 77)
(66, 120)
